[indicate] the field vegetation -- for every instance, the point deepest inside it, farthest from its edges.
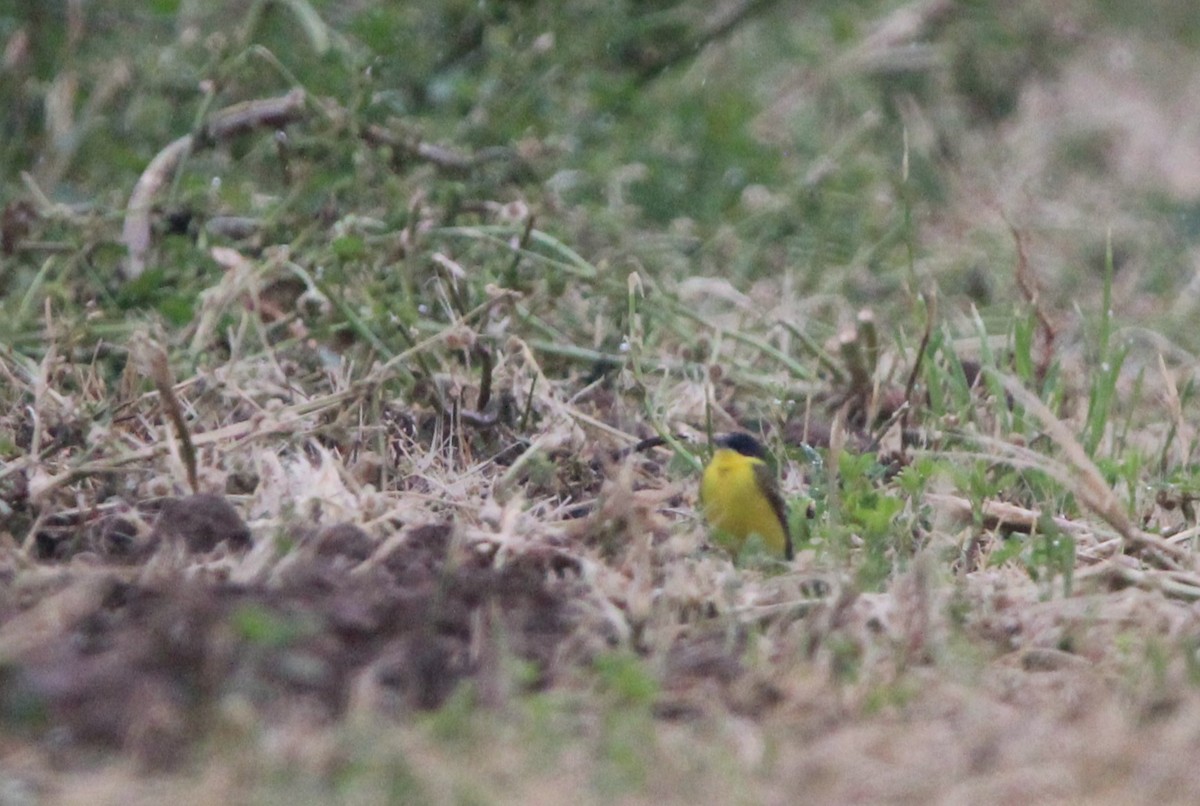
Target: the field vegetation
(358, 362)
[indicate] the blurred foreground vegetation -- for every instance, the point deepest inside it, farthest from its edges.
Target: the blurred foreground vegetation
(969, 226)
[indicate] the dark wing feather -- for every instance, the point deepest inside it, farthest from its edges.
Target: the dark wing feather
(766, 482)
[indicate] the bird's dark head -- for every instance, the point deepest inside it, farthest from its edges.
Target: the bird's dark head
(743, 443)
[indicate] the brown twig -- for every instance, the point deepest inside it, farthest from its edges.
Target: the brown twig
(519, 248)
(915, 372)
(224, 125)
(1090, 487)
(448, 160)
(690, 46)
(1027, 283)
(485, 376)
(478, 417)
(164, 381)
(1003, 515)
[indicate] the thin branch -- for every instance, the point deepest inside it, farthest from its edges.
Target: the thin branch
(226, 124)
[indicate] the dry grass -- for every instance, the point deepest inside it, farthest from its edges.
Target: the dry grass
(381, 521)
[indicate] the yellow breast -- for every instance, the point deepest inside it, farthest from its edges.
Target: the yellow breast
(735, 504)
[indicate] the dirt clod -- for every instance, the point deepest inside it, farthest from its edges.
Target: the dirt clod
(202, 522)
(143, 664)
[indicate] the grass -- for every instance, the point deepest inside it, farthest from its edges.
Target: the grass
(412, 290)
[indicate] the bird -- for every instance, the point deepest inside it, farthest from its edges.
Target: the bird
(740, 496)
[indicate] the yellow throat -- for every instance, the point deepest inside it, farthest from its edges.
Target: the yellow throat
(740, 497)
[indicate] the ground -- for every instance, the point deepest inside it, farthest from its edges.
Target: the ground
(357, 364)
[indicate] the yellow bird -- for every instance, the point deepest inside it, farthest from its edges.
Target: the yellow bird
(740, 496)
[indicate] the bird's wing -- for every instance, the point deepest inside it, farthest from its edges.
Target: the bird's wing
(766, 482)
